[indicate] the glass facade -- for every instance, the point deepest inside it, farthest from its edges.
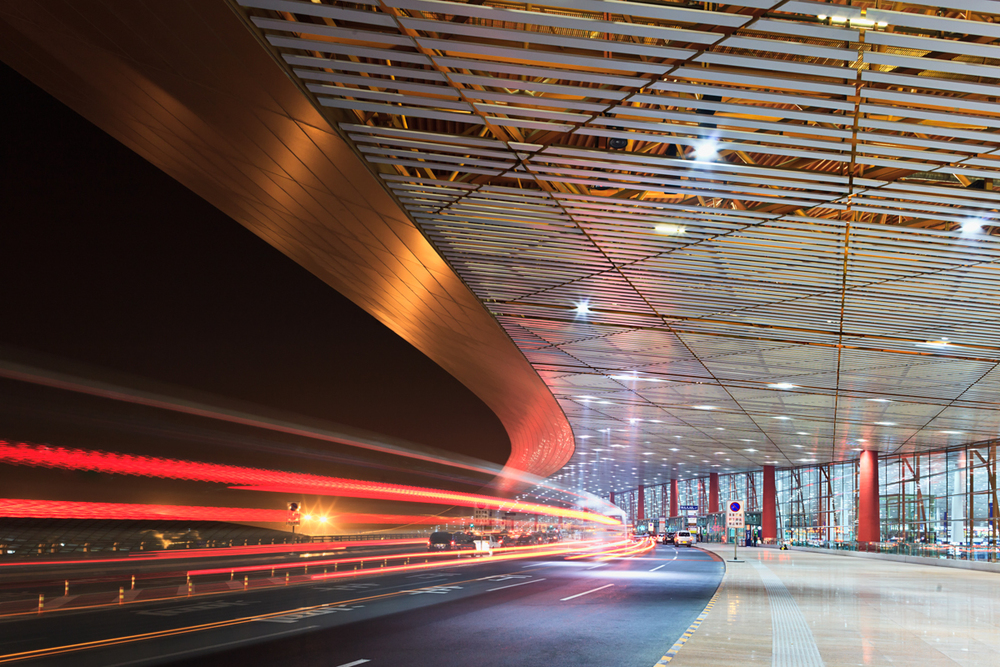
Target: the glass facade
(934, 501)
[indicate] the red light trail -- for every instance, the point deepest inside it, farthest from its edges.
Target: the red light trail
(256, 479)
(60, 509)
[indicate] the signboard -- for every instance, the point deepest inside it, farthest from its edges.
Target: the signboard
(735, 517)
(663, 525)
(686, 508)
(293, 514)
(754, 518)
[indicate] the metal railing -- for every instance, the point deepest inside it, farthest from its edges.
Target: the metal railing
(974, 552)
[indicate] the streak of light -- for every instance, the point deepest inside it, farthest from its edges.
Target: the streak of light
(513, 552)
(63, 509)
(25, 373)
(257, 479)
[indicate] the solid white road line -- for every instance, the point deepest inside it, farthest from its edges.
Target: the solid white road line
(490, 590)
(215, 646)
(658, 567)
(597, 566)
(587, 592)
(352, 664)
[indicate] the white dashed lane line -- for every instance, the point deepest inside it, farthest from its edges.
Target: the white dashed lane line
(490, 590)
(593, 590)
(658, 567)
(354, 664)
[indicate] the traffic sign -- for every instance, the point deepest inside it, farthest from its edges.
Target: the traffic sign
(735, 517)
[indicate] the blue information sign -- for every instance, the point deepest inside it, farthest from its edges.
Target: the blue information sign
(689, 507)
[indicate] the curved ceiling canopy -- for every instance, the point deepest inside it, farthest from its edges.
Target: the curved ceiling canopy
(726, 235)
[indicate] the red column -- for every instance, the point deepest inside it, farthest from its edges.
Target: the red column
(612, 497)
(769, 517)
(641, 509)
(868, 521)
(713, 492)
(673, 498)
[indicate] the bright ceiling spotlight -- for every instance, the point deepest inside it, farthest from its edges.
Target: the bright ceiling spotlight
(670, 230)
(972, 226)
(782, 385)
(706, 150)
(582, 308)
(703, 407)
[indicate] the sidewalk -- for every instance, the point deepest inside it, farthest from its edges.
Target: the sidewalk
(806, 610)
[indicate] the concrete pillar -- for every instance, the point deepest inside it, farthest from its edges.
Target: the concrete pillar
(869, 529)
(713, 492)
(641, 505)
(673, 498)
(769, 517)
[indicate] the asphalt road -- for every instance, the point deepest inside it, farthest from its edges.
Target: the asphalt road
(618, 613)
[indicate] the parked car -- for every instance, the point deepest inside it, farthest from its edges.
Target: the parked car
(684, 538)
(439, 541)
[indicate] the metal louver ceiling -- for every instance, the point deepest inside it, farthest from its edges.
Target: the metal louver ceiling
(725, 235)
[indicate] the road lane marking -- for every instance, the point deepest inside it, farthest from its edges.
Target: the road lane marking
(352, 664)
(597, 566)
(214, 646)
(301, 616)
(436, 590)
(490, 590)
(593, 590)
(204, 606)
(658, 567)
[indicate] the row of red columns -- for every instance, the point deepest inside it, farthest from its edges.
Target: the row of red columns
(868, 508)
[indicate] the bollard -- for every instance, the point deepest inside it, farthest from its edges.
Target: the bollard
(286, 578)
(272, 573)
(334, 567)
(189, 587)
(246, 581)
(66, 589)
(307, 570)
(41, 602)
(324, 570)
(133, 582)
(121, 595)
(232, 573)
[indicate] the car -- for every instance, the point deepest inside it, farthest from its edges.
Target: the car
(485, 544)
(505, 540)
(524, 541)
(439, 541)
(668, 538)
(684, 538)
(463, 542)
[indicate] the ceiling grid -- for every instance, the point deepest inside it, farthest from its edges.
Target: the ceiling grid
(725, 234)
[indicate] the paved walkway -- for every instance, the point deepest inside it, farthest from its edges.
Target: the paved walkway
(798, 609)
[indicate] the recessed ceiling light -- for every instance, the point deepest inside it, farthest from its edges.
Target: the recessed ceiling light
(782, 385)
(782, 418)
(674, 449)
(719, 428)
(878, 400)
(885, 423)
(746, 440)
(952, 432)
(749, 450)
(670, 230)
(703, 407)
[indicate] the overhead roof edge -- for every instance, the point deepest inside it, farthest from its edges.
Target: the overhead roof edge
(195, 95)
